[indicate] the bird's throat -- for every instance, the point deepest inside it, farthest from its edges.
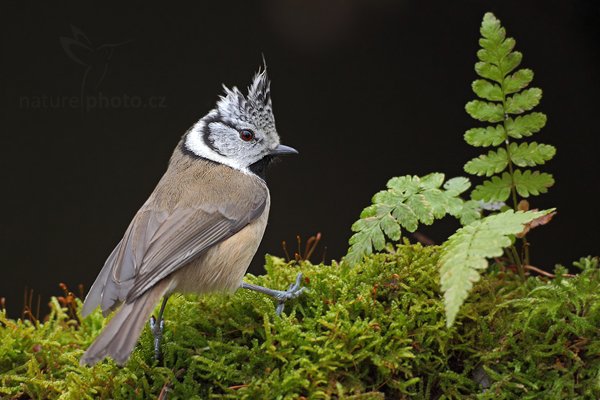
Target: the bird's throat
(259, 168)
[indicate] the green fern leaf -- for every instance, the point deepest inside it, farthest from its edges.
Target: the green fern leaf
(495, 189)
(370, 226)
(493, 34)
(487, 90)
(370, 211)
(432, 181)
(530, 154)
(408, 201)
(406, 217)
(468, 212)
(456, 186)
(517, 81)
(362, 241)
(525, 125)
(488, 164)
(383, 197)
(526, 183)
(523, 101)
(485, 111)
(404, 186)
(510, 62)
(484, 137)
(454, 206)
(390, 227)
(421, 207)
(496, 55)
(437, 201)
(504, 91)
(532, 183)
(489, 71)
(496, 50)
(464, 254)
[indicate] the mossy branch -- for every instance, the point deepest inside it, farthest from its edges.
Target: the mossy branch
(376, 331)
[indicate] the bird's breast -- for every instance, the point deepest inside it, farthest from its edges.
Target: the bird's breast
(222, 267)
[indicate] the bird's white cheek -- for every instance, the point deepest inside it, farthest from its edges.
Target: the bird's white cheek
(195, 143)
(226, 140)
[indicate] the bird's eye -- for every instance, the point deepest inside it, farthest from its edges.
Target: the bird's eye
(246, 135)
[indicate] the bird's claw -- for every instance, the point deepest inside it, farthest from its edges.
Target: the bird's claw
(293, 291)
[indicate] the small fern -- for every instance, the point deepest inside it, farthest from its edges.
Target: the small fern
(465, 253)
(505, 101)
(408, 201)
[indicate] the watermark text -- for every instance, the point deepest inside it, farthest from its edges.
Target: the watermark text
(97, 101)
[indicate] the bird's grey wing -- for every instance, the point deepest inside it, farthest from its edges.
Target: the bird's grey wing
(187, 235)
(115, 278)
(158, 243)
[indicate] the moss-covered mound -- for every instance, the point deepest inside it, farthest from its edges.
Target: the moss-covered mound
(372, 332)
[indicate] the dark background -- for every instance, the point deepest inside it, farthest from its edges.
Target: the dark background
(366, 90)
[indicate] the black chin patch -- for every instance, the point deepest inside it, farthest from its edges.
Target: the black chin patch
(260, 167)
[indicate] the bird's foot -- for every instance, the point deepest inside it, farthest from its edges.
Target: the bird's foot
(293, 291)
(157, 329)
(280, 295)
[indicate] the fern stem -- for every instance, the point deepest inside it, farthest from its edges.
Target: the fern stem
(524, 257)
(510, 256)
(520, 268)
(525, 251)
(511, 171)
(513, 191)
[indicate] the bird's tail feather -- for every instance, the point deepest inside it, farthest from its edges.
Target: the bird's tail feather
(119, 337)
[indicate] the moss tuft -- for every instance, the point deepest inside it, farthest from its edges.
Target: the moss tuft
(370, 332)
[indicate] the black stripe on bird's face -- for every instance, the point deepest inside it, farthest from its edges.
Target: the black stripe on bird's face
(206, 133)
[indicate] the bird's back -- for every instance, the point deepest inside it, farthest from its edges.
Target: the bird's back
(195, 199)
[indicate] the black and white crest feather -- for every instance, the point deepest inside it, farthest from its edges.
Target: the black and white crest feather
(260, 90)
(256, 106)
(217, 135)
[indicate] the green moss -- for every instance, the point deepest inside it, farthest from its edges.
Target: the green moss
(370, 332)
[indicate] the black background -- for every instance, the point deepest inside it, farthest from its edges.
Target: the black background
(366, 90)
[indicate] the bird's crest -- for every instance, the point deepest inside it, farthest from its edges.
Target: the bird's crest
(256, 104)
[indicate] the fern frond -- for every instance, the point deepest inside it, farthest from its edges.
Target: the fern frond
(484, 137)
(456, 186)
(525, 125)
(408, 202)
(524, 101)
(505, 100)
(530, 154)
(488, 71)
(487, 90)
(532, 183)
(485, 111)
(488, 164)
(517, 81)
(464, 254)
(526, 183)
(470, 211)
(496, 189)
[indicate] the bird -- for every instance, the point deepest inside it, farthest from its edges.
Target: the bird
(201, 226)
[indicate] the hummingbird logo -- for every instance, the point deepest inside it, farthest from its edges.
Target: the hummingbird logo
(94, 59)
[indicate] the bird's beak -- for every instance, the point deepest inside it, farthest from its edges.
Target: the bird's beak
(282, 149)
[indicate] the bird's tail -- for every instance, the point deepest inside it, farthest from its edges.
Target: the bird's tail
(119, 337)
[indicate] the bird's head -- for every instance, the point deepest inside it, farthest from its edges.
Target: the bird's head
(240, 131)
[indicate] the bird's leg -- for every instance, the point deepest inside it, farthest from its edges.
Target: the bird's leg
(157, 327)
(280, 295)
